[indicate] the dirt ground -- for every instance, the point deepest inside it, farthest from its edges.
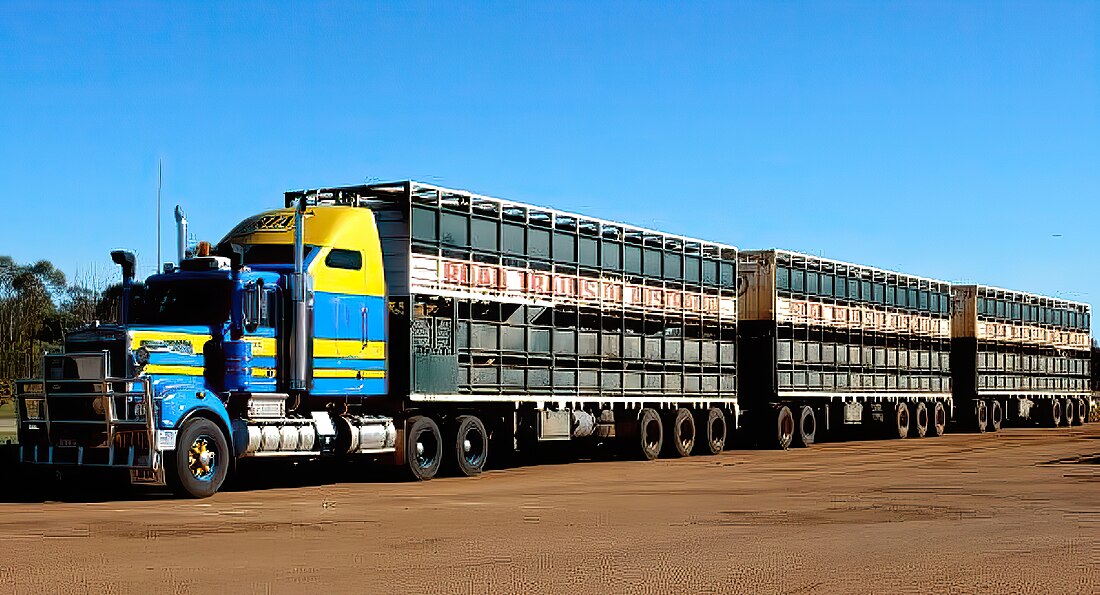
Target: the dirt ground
(1016, 512)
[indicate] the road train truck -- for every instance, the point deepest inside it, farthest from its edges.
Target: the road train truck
(1019, 358)
(425, 327)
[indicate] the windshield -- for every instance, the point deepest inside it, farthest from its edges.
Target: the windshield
(191, 302)
(268, 253)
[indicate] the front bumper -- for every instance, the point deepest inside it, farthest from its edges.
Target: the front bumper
(89, 420)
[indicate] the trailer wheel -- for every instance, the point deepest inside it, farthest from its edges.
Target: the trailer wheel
(981, 417)
(901, 419)
(198, 466)
(713, 423)
(784, 429)
(423, 448)
(651, 434)
(471, 445)
(1069, 413)
(939, 419)
(919, 427)
(807, 426)
(1054, 413)
(681, 432)
(996, 416)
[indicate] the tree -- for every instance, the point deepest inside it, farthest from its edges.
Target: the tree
(28, 314)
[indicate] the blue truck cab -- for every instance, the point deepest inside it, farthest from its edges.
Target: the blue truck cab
(201, 369)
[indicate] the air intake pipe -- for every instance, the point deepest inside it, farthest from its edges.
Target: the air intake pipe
(128, 262)
(181, 235)
(299, 297)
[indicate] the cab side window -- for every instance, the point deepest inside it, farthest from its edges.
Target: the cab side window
(351, 260)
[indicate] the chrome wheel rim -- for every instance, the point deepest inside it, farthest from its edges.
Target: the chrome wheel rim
(473, 447)
(202, 458)
(426, 447)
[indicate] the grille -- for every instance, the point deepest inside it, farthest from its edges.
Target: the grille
(115, 348)
(64, 407)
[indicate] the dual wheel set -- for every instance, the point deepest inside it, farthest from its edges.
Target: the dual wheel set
(916, 419)
(677, 432)
(461, 446)
(989, 415)
(1065, 412)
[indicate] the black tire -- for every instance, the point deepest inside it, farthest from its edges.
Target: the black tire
(712, 422)
(1052, 414)
(981, 417)
(996, 416)
(470, 446)
(783, 430)
(651, 435)
(423, 448)
(199, 465)
(938, 422)
(919, 426)
(681, 433)
(807, 427)
(1069, 412)
(902, 420)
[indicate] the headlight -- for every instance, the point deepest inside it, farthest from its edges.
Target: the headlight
(33, 408)
(141, 356)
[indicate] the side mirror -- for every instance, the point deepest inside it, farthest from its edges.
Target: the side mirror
(254, 307)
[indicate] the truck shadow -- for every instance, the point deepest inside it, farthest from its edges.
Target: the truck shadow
(72, 485)
(29, 484)
(270, 474)
(75, 485)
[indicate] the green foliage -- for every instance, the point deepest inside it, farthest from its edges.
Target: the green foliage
(37, 307)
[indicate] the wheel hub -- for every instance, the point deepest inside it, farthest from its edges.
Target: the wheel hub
(201, 458)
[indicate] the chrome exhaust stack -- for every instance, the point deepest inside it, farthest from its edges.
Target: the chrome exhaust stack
(181, 235)
(299, 296)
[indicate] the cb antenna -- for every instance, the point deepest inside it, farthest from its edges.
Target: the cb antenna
(160, 180)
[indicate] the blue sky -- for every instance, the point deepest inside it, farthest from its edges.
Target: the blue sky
(951, 140)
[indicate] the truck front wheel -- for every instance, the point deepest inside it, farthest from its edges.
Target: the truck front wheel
(198, 466)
